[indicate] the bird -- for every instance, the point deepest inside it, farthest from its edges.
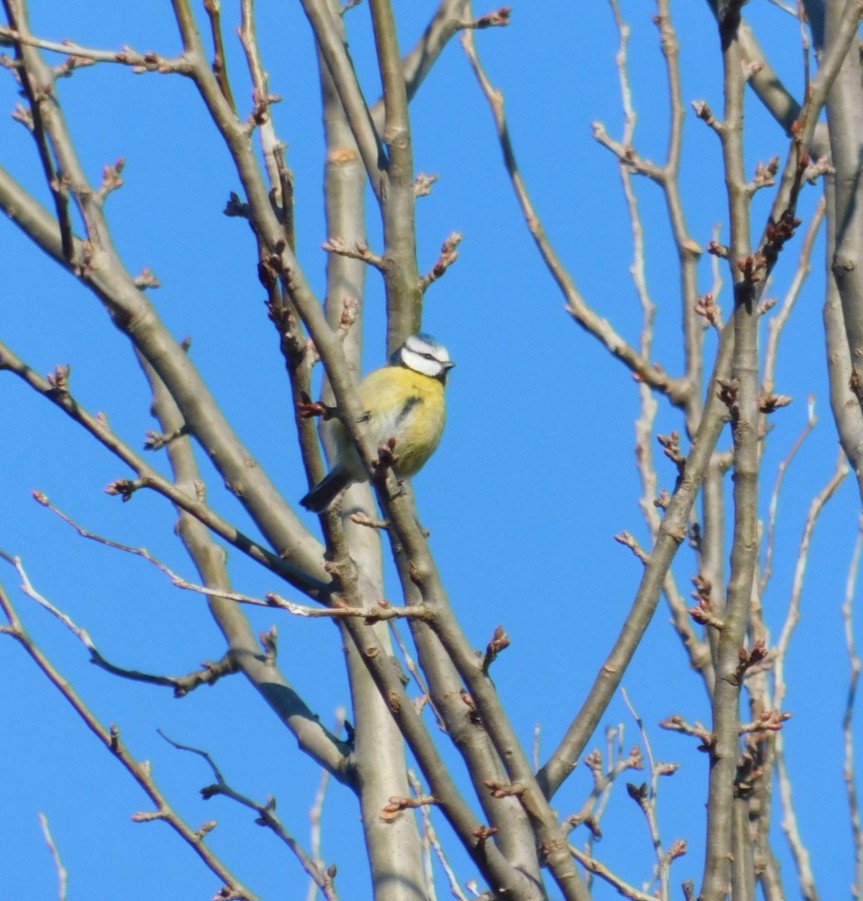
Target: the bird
(404, 407)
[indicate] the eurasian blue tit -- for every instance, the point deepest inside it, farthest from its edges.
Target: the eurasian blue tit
(403, 401)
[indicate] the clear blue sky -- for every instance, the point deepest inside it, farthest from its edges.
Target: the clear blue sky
(535, 474)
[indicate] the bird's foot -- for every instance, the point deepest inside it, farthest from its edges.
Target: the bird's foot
(307, 408)
(387, 458)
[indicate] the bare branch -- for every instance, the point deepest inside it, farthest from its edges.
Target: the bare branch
(148, 476)
(592, 865)
(848, 772)
(62, 875)
(792, 616)
(432, 842)
(448, 255)
(140, 62)
(110, 739)
(213, 9)
(359, 251)
(341, 71)
(781, 470)
(672, 533)
(266, 817)
(209, 673)
(576, 305)
(648, 801)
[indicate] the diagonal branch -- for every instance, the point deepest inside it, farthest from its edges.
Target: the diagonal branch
(182, 685)
(672, 532)
(576, 305)
(110, 740)
(148, 477)
(100, 269)
(341, 69)
(266, 812)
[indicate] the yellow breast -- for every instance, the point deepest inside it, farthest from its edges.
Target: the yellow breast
(409, 407)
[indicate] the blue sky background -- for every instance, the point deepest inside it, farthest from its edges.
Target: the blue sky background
(534, 477)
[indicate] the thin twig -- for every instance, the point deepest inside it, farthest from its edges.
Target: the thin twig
(316, 812)
(430, 835)
(647, 803)
(604, 774)
(266, 817)
(578, 308)
(140, 772)
(417, 674)
(382, 611)
(801, 273)
(848, 771)
(792, 616)
(62, 875)
(790, 827)
(182, 685)
(213, 8)
(789, 823)
(781, 470)
(140, 62)
(592, 865)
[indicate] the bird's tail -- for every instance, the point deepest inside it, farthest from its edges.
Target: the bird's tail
(326, 491)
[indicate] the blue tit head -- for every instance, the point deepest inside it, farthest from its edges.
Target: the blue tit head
(423, 354)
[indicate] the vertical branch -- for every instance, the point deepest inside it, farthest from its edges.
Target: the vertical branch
(789, 821)
(848, 719)
(744, 413)
(648, 804)
(801, 273)
(40, 98)
(843, 308)
(213, 8)
(789, 825)
(393, 847)
(688, 251)
(62, 875)
(404, 295)
(847, 413)
(711, 539)
(845, 126)
(279, 176)
(846, 410)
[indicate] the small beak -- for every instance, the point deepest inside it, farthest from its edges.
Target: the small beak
(448, 365)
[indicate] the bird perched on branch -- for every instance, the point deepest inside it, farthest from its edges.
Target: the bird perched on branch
(404, 407)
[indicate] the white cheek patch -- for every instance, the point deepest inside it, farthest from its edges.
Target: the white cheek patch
(422, 364)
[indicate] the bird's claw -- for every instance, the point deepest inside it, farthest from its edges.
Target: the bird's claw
(308, 408)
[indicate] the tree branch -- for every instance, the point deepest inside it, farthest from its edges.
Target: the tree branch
(672, 533)
(140, 772)
(150, 478)
(577, 307)
(323, 878)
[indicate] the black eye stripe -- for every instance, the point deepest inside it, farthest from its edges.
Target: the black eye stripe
(423, 355)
